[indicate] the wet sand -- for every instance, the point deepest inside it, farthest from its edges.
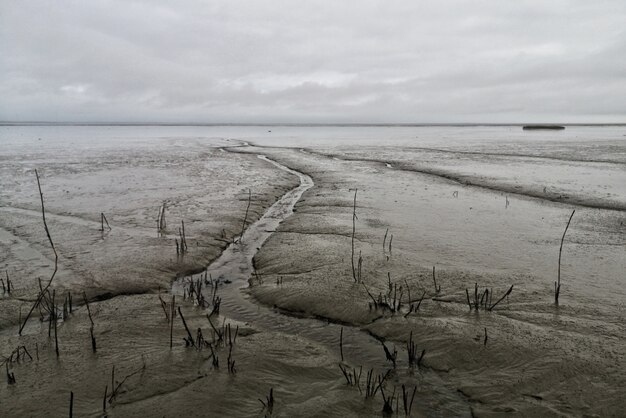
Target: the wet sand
(288, 282)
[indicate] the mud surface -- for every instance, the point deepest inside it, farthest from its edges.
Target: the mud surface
(483, 206)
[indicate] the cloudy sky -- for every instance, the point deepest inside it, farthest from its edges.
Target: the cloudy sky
(313, 61)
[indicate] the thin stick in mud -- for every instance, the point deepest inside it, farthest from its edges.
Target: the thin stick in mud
(557, 284)
(93, 338)
(508, 292)
(56, 258)
(172, 313)
(55, 318)
(385, 239)
(103, 220)
(341, 343)
(245, 219)
(191, 341)
(437, 288)
(354, 218)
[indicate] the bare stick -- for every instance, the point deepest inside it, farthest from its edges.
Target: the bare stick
(557, 285)
(103, 220)
(56, 258)
(341, 343)
(437, 288)
(191, 342)
(245, 219)
(370, 295)
(508, 292)
(183, 242)
(354, 218)
(172, 312)
(385, 239)
(54, 315)
(93, 339)
(71, 404)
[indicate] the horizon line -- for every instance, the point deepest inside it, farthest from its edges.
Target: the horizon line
(301, 124)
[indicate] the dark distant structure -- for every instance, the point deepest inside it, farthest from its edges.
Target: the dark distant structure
(537, 127)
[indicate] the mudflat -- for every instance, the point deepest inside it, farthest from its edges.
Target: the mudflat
(341, 253)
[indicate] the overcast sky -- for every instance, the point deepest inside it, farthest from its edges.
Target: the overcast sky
(313, 61)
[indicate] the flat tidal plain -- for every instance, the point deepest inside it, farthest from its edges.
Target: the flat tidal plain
(483, 209)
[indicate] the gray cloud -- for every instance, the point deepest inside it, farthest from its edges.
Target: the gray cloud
(313, 61)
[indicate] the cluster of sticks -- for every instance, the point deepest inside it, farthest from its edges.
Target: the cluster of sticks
(17, 355)
(412, 352)
(414, 306)
(375, 383)
(108, 398)
(388, 401)
(48, 310)
(485, 298)
(193, 291)
(390, 301)
(220, 337)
